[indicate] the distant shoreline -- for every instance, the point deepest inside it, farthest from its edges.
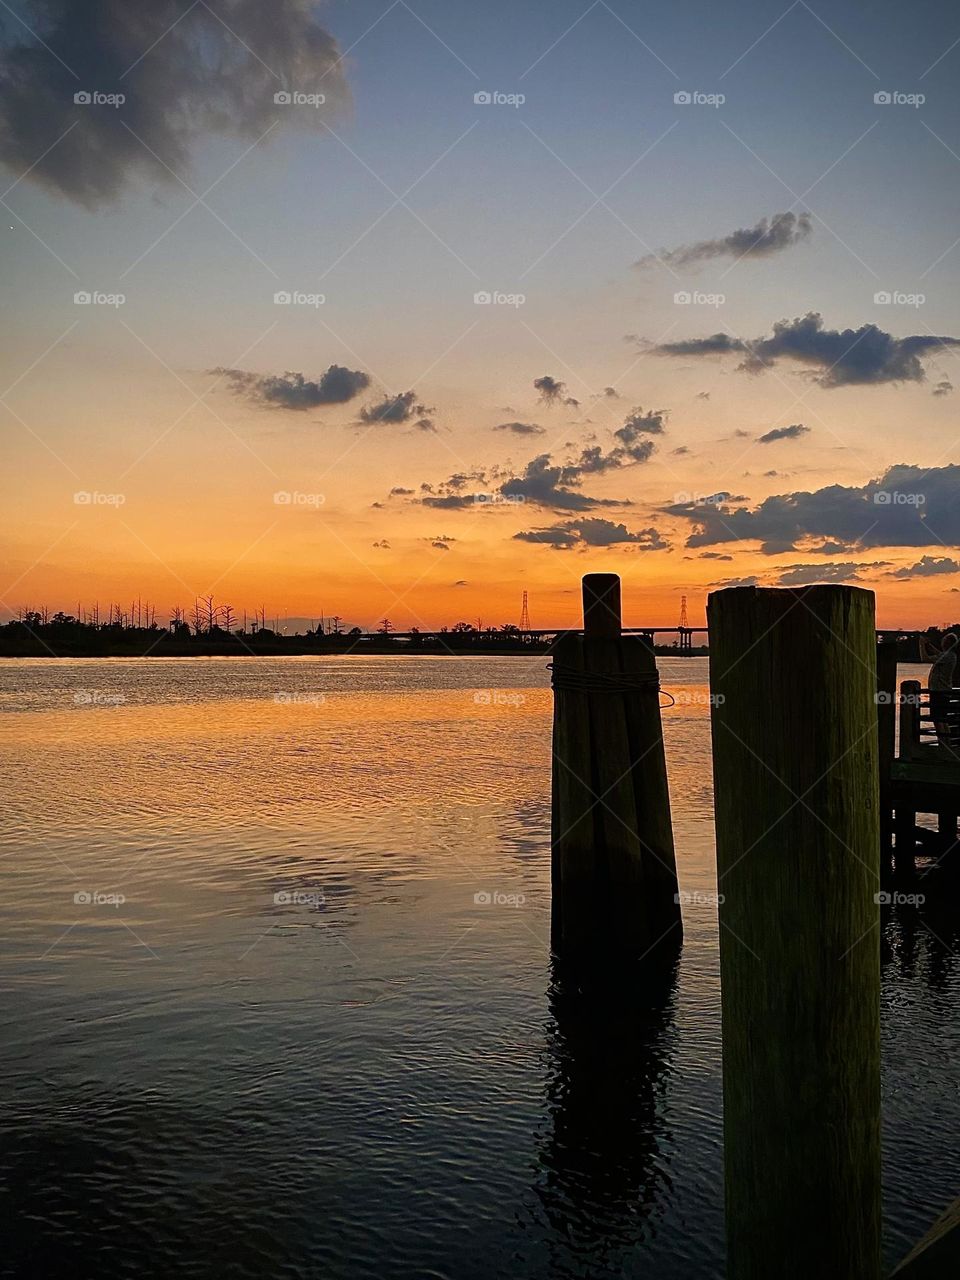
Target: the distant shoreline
(297, 646)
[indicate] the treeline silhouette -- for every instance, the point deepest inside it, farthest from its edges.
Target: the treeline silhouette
(216, 629)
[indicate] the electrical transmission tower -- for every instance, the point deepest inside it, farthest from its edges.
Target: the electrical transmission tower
(683, 627)
(524, 615)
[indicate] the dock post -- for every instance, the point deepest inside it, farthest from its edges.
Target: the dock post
(614, 867)
(793, 679)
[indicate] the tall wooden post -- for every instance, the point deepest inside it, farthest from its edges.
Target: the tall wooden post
(614, 868)
(793, 678)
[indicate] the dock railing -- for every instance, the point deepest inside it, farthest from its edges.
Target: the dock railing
(919, 738)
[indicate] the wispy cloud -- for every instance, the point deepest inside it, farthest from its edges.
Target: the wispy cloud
(770, 236)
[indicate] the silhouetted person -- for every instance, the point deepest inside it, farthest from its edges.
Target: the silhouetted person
(940, 682)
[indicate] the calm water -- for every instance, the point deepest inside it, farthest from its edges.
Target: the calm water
(256, 1022)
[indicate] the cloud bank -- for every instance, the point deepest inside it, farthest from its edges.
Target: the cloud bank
(592, 532)
(836, 357)
(908, 506)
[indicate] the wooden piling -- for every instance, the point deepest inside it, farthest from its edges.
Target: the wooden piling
(795, 748)
(614, 868)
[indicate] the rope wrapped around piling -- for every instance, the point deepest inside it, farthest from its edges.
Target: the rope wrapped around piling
(569, 678)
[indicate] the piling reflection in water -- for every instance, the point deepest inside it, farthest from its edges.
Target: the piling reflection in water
(605, 1177)
(921, 940)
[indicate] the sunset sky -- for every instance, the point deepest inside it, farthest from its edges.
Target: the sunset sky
(723, 246)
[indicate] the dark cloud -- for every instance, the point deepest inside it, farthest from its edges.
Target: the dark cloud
(548, 483)
(908, 506)
(592, 532)
(439, 546)
(784, 433)
(633, 445)
(399, 492)
(638, 423)
(293, 390)
(768, 237)
(552, 391)
(803, 575)
(864, 356)
(611, 393)
(399, 409)
(185, 71)
(928, 567)
(521, 428)
(593, 459)
(461, 582)
(679, 451)
(832, 548)
(383, 544)
(703, 395)
(943, 387)
(713, 555)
